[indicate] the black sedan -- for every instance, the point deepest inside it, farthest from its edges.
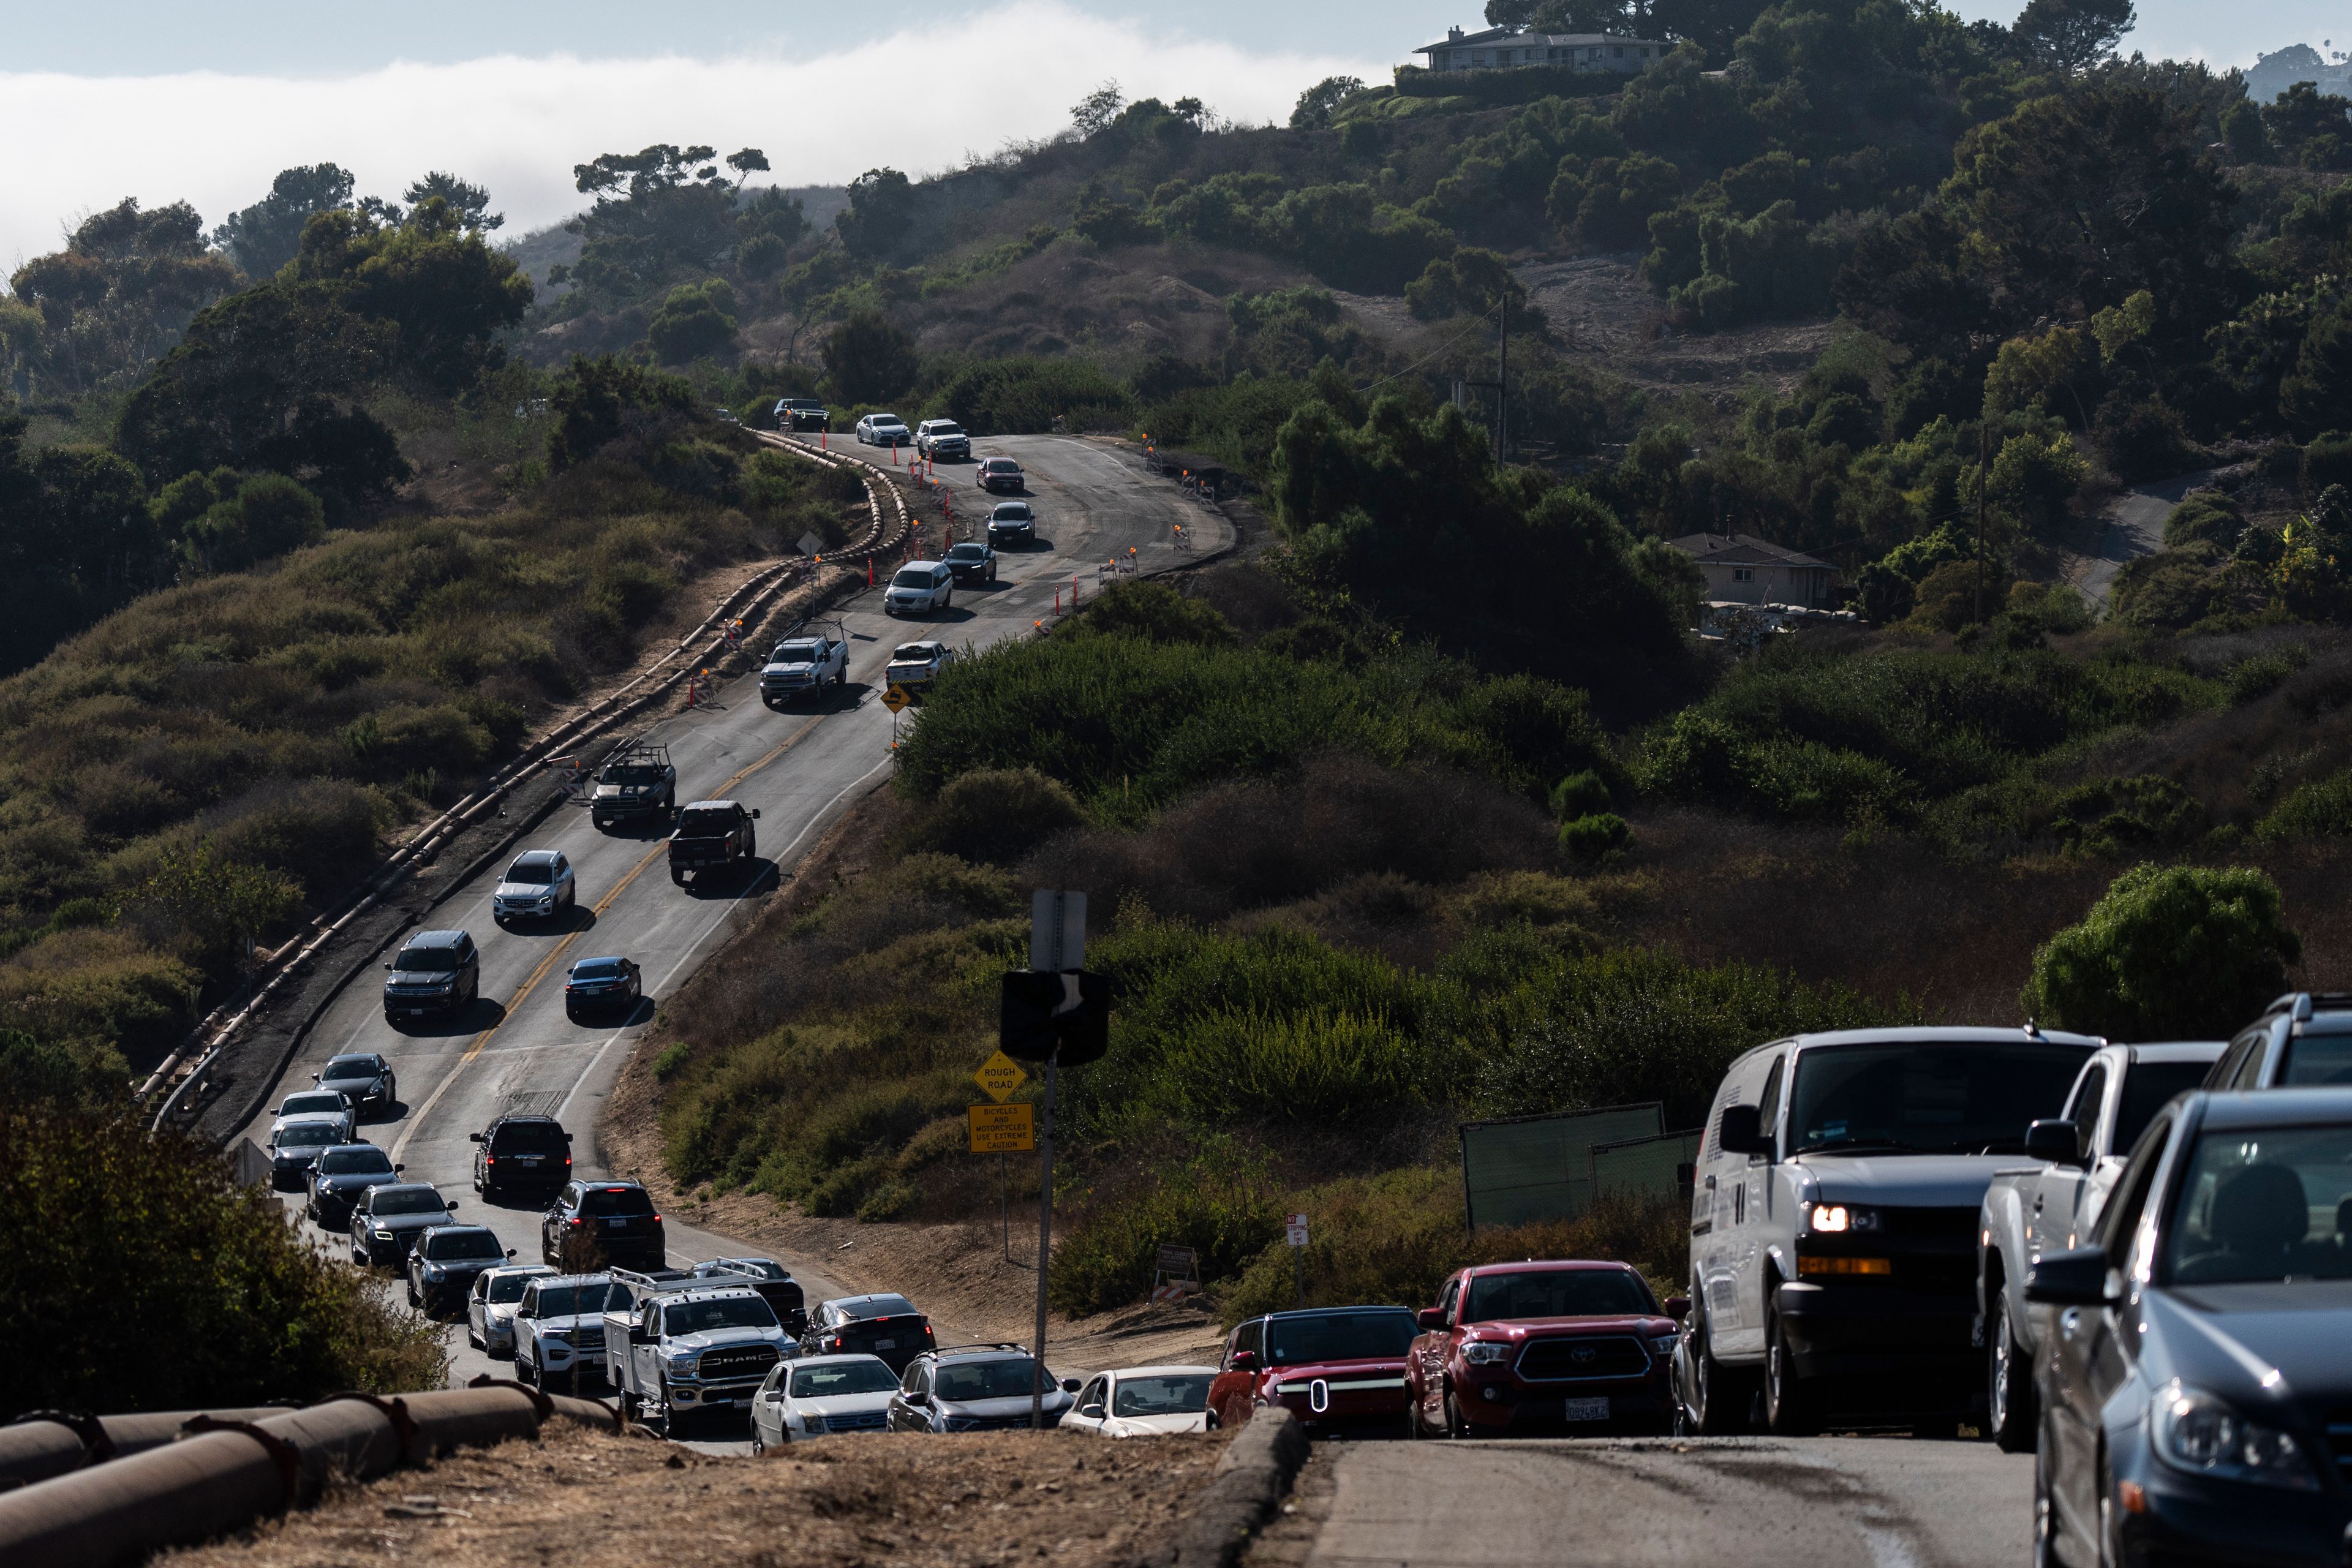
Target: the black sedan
(444, 1262)
(363, 1078)
(2194, 1401)
(342, 1176)
(386, 1223)
(602, 985)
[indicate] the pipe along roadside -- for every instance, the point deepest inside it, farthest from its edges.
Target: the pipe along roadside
(219, 1470)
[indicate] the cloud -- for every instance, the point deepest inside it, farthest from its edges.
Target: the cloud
(917, 101)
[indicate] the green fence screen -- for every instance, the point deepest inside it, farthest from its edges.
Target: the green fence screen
(1656, 1166)
(1540, 1167)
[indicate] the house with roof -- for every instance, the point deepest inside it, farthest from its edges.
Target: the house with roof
(1745, 569)
(1503, 48)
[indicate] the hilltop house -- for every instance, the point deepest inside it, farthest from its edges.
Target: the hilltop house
(1499, 48)
(1744, 570)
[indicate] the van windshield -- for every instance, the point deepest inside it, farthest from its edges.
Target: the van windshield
(1926, 1097)
(911, 578)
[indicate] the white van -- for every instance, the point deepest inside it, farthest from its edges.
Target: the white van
(919, 587)
(1834, 1220)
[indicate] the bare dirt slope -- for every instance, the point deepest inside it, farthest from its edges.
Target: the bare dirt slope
(1608, 318)
(588, 1500)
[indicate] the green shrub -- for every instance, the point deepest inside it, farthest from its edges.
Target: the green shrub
(695, 320)
(673, 1057)
(2177, 953)
(1022, 396)
(996, 815)
(2208, 517)
(1584, 794)
(2327, 461)
(1591, 838)
(2321, 809)
(1220, 1201)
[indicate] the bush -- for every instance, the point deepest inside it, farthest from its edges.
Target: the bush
(2321, 809)
(2327, 461)
(2146, 440)
(269, 516)
(1220, 1201)
(997, 815)
(2206, 517)
(2177, 953)
(1023, 396)
(113, 1232)
(1584, 794)
(695, 320)
(1594, 838)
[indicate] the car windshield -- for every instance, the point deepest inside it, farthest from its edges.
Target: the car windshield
(2271, 1204)
(530, 871)
(2317, 1058)
(309, 1134)
(508, 1287)
(969, 552)
(344, 1069)
(407, 1200)
(843, 1377)
(423, 960)
(796, 653)
(633, 773)
(1001, 1378)
(1163, 1394)
(705, 825)
(1013, 512)
(616, 1201)
(911, 578)
(1339, 1336)
(530, 1135)
(878, 1307)
(2146, 1088)
(1555, 1293)
(753, 1268)
(319, 1101)
(1929, 1098)
(882, 421)
(446, 1244)
(946, 428)
(571, 1301)
(596, 969)
(704, 1316)
(355, 1163)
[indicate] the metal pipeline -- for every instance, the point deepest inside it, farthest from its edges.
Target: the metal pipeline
(47, 1443)
(224, 1471)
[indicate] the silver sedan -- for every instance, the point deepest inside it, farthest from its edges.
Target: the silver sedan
(490, 1307)
(821, 1395)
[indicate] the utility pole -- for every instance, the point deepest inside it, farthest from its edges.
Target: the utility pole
(1984, 475)
(1503, 384)
(1044, 1242)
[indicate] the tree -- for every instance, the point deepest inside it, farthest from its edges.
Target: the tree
(1094, 113)
(264, 236)
(881, 212)
(870, 358)
(116, 297)
(2313, 395)
(1470, 282)
(1316, 104)
(597, 402)
(747, 163)
(265, 517)
(2072, 35)
(470, 202)
(78, 541)
(2173, 954)
(431, 276)
(659, 213)
(693, 322)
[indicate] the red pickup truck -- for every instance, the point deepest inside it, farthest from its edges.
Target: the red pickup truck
(1335, 1368)
(1514, 1348)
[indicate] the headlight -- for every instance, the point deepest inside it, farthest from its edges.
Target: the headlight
(384, 1236)
(435, 1271)
(682, 1365)
(1662, 1346)
(1485, 1353)
(961, 1423)
(813, 1424)
(1839, 1219)
(2200, 1434)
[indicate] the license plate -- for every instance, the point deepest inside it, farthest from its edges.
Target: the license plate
(526, 1159)
(417, 1012)
(623, 1225)
(885, 1345)
(1587, 1409)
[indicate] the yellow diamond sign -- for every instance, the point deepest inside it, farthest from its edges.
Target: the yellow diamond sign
(999, 1076)
(896, 697)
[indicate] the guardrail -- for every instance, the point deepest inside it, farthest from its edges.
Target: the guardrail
(219, 1028)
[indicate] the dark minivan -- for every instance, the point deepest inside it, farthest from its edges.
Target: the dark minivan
(522, 1154)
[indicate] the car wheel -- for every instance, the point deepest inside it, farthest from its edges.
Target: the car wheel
(758, 1445)
(2111, 1543)
(526, 1373)
(1457, 1428)
(1719, 1408)
(1413, 1432)
(1788, 1410)
(472, 1338)
(414, 1298)
(669, 1414)
(2046, 1514)
(2011, 1415)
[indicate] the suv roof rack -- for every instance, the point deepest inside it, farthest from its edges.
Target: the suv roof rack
(2303, 1004)
(977, 1345)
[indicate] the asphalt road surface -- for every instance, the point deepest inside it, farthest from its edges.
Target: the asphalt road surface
(515, 1050)
(1824, 1503)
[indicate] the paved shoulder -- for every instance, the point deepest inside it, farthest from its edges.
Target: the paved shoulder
(1832, 1503)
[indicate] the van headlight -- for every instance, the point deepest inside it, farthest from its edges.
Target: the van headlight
(2196, 1432)
(1840, 1219)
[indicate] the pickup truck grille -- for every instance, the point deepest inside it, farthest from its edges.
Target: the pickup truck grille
(744, 1361)
(1555, 1360)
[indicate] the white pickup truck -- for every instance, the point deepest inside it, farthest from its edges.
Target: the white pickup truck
(806, 661)
(677, 1345)
(2051, 1205)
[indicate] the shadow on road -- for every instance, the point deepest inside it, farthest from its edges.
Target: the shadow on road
(578, 917)
(732, 882)
(479, 1013)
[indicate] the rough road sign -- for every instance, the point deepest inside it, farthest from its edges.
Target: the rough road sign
(1003, 1128)
(999, 1076)
(896, 697)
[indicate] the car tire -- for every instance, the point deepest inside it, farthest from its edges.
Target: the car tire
(2010, 1419)
(2110, 1543)
(758, 1446)
(2044, 1548)
(415, 1300)
(526, 1373)
(1788, 1404)
(1413, 1432)
(1457, 1428)
(1719, 1402)
(474, 1338)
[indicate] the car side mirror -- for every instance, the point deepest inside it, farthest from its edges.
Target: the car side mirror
(567, 1137)
(2080, 1278)
(1678, 1307)
(397, 1168)
(918, 1399)
(1070, 1385)
(1430, 1317)
(2058, 1141)
(387, 969)
(755, 811)
(452, 1205)
(1244, 1361)
(472, 1137)
(314, 1077)
(509, 1252)
(1743, 1131)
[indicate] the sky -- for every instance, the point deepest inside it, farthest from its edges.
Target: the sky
(165, 100)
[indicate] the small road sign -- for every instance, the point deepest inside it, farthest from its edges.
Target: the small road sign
(1003, 1128)
(1294, 1230)
(811, 542)
(896, 697)
(999, 1076)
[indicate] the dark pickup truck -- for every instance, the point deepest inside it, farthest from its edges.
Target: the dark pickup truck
(711, 835)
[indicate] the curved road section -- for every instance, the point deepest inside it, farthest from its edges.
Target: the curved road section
(514, 1050)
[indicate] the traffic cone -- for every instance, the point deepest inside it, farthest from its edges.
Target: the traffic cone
(870, 571)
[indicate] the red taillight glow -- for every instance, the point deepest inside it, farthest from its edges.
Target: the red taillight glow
(577, 1220)
(489, 1159)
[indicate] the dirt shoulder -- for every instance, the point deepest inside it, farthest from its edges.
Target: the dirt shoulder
(587, 1500)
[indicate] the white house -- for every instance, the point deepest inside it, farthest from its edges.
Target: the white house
(1744, 570)
(1501, 48)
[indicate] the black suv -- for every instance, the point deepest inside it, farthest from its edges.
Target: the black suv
(529, 1153)
(802, 414)
(884, 1326)
(436, 972)
(2302, 1041)
(444, 1262)
(975, 1388)
(619, 1217)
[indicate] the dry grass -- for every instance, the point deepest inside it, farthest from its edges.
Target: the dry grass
(588, 1500)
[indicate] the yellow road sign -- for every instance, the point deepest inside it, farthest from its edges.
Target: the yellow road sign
(1000, 1075)
(1003, 1128)
(896, 697)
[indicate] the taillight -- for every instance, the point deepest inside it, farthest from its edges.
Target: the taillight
(489, 1159)
(575, 1220)
(658, 1219)
(927, 1332)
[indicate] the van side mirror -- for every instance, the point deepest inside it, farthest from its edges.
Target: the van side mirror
(1430, 1317)
(2080, 1278)
(2060, 1142)
(509, 1252)
(567, 1137)
(1743, 1131)
(1678, 1307)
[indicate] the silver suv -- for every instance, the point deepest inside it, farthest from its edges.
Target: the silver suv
(2303, 1040)
(538, 885)
(974, 1388)
(936, 438)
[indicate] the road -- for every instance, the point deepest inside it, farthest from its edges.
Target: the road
(2134, 527)
(1825, 1502)
(515, 1050)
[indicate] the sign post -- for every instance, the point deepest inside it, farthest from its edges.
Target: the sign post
(999, 1076)
(1294, 1232)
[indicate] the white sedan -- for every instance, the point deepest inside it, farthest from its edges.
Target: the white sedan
(1143, 1401)
(820, 1395)
(491, 1306)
